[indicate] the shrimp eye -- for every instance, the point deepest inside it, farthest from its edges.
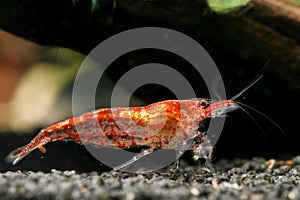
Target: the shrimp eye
(203, 103)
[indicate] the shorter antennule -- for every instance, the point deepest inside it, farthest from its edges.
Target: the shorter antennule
(246, 88)
(256, 78)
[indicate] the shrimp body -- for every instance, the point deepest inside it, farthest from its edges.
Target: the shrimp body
(167, 124)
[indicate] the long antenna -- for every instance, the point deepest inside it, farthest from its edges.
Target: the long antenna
(262, 114)
(253, 119)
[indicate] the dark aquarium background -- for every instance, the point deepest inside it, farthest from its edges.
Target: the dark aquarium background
(56, 35)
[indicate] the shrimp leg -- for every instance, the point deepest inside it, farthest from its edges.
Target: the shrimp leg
(135, 158)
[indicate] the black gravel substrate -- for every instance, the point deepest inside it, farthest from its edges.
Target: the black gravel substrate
(235, 179)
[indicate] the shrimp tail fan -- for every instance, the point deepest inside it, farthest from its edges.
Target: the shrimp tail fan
(15, 156)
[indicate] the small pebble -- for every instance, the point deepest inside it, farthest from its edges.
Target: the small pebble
(195, 191)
